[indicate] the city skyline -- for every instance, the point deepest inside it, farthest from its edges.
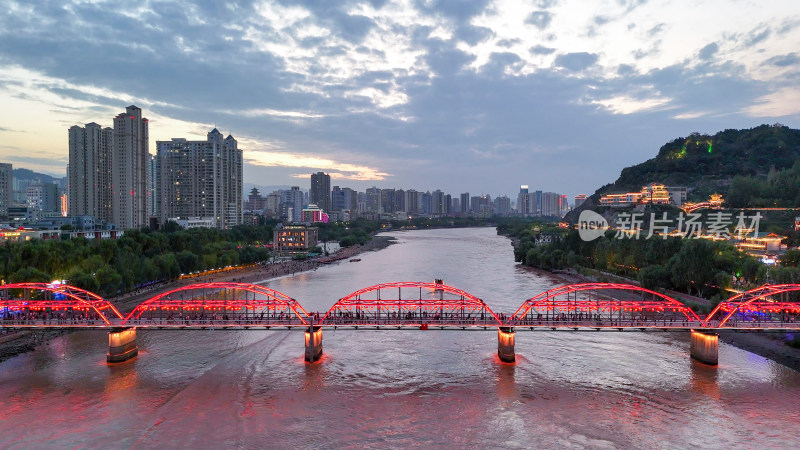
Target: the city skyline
(482, 96)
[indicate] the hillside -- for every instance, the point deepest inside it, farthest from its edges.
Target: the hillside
(27, 174)
(709, 163)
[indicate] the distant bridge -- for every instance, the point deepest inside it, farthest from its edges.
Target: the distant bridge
(400, 305)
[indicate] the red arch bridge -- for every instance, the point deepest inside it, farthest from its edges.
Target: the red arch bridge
(400, 305)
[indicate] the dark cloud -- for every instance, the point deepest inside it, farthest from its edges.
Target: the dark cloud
(498, 63)
(540, 19)
(708, 51)
(445, 59)
(789, 59)
(625, 70)
(458, 10)
(576, 61)
(545, 4)
(334, 16)
(473, 35)
(489, 129)
(787, 26)
(541, 50)
(756, 37)
(508, 42)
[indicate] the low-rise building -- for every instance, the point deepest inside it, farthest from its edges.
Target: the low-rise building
(16, 234)
(195, 222)
(621, 199)
(765, 246)
(678, 194)
(294, 238)
(653, 193)
(314, 214)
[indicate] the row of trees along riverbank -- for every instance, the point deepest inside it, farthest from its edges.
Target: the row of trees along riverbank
(114, 266)
(696, 266)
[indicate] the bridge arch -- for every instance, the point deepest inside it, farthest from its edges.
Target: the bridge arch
(76, 299)
(409, 303)
(574, 305)
(757, 306)
(219, 304)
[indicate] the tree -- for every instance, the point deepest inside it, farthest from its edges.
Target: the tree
(791, 258)
(108, 281)
(171, 226)
(187, 261)
(83, 280)
(30, 275)
(655, 276)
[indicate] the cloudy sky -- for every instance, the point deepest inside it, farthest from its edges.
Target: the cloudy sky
(477, 95)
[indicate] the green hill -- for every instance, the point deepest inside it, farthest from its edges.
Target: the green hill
(756, 163)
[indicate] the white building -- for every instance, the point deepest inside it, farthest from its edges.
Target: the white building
(195, 222)
(200, 179)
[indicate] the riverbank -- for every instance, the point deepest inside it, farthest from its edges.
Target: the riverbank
(16, 342)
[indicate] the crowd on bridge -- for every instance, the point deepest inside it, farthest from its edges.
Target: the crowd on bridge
(602, 320)
(358, 317)
(44, 317)
(264, 318)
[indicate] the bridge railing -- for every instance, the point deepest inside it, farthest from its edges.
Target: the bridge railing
(606, 322)
(201, 322)
(394, 318)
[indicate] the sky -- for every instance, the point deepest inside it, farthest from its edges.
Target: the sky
(475, 96)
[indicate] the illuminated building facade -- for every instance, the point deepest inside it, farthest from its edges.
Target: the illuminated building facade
(314, 213)
(294, 238)
(655, 193)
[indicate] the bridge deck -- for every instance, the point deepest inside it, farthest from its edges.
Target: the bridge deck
(390, 324)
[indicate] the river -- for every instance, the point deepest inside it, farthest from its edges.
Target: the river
(399, 388)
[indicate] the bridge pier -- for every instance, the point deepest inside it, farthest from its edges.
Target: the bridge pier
(505, 344)
(704, 347)
(313, 344)
(121, 345)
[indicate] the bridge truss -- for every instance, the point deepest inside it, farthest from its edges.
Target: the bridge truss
(604, 305)
(53, 305)
(769, 306)
(411, 304)
(225, 305)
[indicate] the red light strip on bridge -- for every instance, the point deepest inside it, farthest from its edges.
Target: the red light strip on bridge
(274, 298)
